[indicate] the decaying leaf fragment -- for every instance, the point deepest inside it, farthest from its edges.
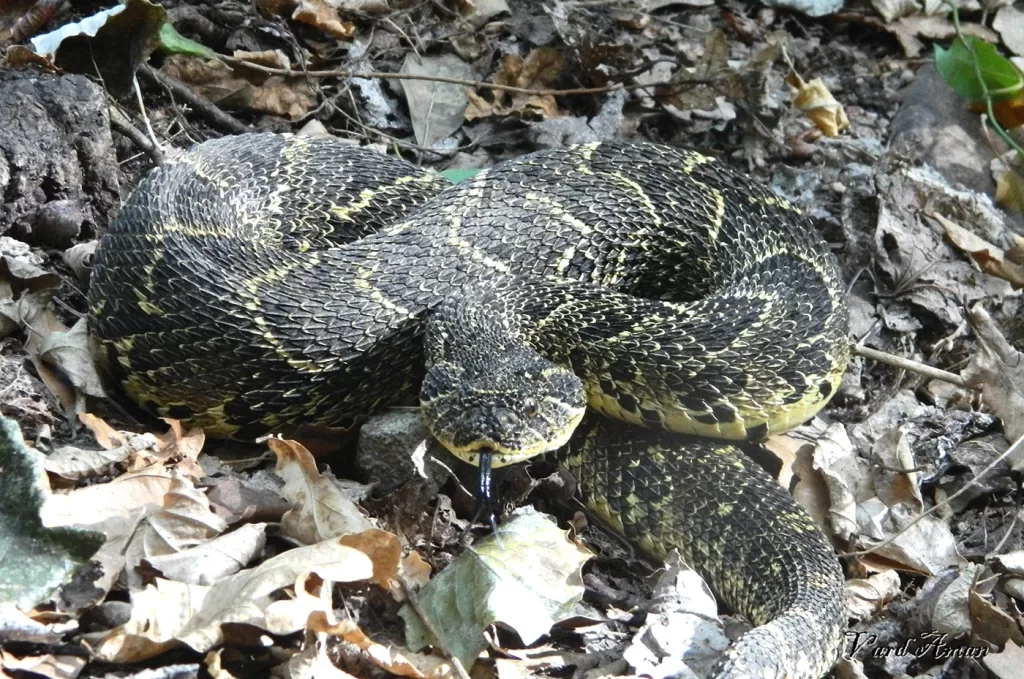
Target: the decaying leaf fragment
(990, 258)
(998, 368)
(815, 101)
(167, 614)
(538, 71)
(238, 87)
(320, 510)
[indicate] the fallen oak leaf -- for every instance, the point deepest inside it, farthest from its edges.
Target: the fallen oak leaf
(989, 257)
(168, 614)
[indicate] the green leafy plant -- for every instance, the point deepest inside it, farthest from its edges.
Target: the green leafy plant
(976, 71)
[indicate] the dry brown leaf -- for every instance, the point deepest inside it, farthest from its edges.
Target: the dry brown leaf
(319, 14)
(815, 101)
(703, 87)
(998, 369)
(71, 462)
(120, 498)
(401, 662)
(895, 482)
(211, 561)
(242, 87)
(908, 31)
(866, 597)
(538, 71)
(990, 258)
(166, 613)
(105, 435)
(921, 545)
(185, 520)
(796, 455)
(835, 459)
(319, 508)
(992, 624)
(178, 446)
(46, 665)
(390, 570)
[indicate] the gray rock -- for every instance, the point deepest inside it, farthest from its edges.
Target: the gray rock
(56, 148)
(396, 448)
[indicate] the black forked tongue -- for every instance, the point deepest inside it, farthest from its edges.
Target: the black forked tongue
(485, 504)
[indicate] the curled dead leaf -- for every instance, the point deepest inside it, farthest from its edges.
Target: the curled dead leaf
(815, 101)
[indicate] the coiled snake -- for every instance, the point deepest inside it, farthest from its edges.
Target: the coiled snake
(260, 282)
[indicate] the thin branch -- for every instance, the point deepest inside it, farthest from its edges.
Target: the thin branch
(120, 122)
(145, 116)
(370, 75)
(909, 365)
(203, 106)
(968, 486)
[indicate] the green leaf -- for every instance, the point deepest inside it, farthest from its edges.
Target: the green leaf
(34, 560)
(528, 581)
(172, 42)
(460, 175)
(957, 67)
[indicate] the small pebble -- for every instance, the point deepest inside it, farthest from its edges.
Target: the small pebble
(838, 187)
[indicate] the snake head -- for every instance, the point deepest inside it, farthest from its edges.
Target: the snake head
(515, 408)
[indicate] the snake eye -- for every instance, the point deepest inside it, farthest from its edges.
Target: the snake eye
(530, 407)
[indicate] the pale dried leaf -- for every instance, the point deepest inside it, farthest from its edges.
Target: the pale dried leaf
(866, 597)
(894, 480)
(990, 258)
(1009, 22)
(167, 613)
(998, 368)
(76, 463)
(185, 520)
(681, 633)
(47, 665)
(836, 460)
(437, 109)
(925, 547)
(121, 497)
(319, 508)
(894, 9)
(211, 561)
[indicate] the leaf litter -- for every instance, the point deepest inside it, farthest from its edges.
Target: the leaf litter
(906, 474)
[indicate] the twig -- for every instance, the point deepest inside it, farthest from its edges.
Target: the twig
(370, 75)
(973, 482)
(912, 366)
(145, 117)
(203, 106)
(122, 124)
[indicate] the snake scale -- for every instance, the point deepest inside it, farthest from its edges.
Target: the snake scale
(261, 282)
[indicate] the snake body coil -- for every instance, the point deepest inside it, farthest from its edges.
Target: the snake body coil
(263, 282)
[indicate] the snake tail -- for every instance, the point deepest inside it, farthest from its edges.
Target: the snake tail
(746, 536)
